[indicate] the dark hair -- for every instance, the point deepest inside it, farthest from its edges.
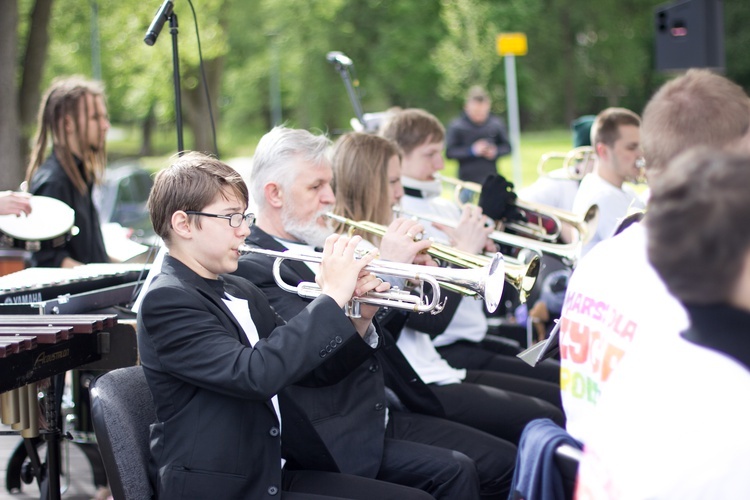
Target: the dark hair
(606, 126)
(191, 183)
(411, 128)
(698, 224)
(67, 97)
(698, 108)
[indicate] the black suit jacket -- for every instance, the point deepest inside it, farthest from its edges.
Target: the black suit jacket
(348, 416)
(217, 434)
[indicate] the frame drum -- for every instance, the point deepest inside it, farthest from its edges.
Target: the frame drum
(49, 225)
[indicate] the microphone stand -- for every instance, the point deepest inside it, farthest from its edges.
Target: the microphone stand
(344, 71)
(176, 78)
(166, 12)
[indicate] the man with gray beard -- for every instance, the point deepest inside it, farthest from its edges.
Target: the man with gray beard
(360, 421)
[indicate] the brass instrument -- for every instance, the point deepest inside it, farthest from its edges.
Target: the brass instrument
(520, 276)
(528, 228)
(575, 163)
(486, 281)
(568, 253)
(584, 225)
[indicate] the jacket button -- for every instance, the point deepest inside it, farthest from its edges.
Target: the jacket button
(333, 344)
(274, 431)
(379, 407)
(338, 339)
(329, 349)
(374, 367)
(323, 353)
(273, 490)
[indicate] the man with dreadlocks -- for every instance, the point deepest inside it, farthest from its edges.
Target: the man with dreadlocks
(73, 114)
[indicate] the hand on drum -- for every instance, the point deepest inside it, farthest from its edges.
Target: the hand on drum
(15, 203)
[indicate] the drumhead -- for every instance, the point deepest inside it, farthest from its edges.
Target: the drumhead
(49, 219)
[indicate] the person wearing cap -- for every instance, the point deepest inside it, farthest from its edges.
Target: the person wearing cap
(477, 138)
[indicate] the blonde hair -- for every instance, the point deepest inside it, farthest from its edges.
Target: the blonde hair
(360, 178)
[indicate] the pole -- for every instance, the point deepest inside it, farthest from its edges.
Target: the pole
(511, 90)
(275, 80)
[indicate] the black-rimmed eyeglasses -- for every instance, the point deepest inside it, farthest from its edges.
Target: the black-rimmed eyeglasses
(235, 220)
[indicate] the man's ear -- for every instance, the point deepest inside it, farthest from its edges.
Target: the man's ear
(601, 150)
(181, 226)
(274, 195)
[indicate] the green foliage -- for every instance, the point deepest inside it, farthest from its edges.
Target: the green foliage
(582, 57)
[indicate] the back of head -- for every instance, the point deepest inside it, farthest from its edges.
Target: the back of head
(66, 97)
(360, 177)
(276, 156)
(411, 128)
(606, 126)
(698, 108)
(698, 224)
(192, 182)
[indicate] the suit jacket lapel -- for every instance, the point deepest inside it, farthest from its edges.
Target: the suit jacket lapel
(177, 268)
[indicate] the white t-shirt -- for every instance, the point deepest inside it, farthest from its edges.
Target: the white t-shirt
(469, 321)
(671, 426)
(614, 204)
(551, 190)
(615, 302)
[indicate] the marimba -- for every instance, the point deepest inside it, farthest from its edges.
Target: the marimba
(39, 341)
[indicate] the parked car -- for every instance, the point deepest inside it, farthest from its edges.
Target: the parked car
(122, 198)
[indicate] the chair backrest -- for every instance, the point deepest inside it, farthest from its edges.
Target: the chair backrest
(122, 411)
(567, 458)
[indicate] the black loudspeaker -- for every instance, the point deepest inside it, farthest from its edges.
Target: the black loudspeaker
(690, 34)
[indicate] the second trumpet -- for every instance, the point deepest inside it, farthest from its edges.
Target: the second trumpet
(486, 281)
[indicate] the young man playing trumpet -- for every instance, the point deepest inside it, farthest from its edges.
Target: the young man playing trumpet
(357, 418)
(615, 136)
(464, 344)
(216, 356)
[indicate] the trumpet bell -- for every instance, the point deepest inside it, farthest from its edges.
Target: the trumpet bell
(494, 283)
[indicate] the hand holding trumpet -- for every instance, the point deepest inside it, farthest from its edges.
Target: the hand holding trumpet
(402, 242)
(471, 234)
(343, 277)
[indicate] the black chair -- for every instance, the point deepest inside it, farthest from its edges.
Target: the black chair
(567, 458)
(122, 411)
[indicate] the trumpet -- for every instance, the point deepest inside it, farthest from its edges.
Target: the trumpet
(533, 227)
(520, 276)
(568, 253)
(575, 163)
(584, 225)
(486, 282)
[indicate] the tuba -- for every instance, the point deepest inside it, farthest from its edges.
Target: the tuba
(486, 282)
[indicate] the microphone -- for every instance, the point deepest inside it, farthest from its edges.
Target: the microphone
(339, 58)
(165, 11)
